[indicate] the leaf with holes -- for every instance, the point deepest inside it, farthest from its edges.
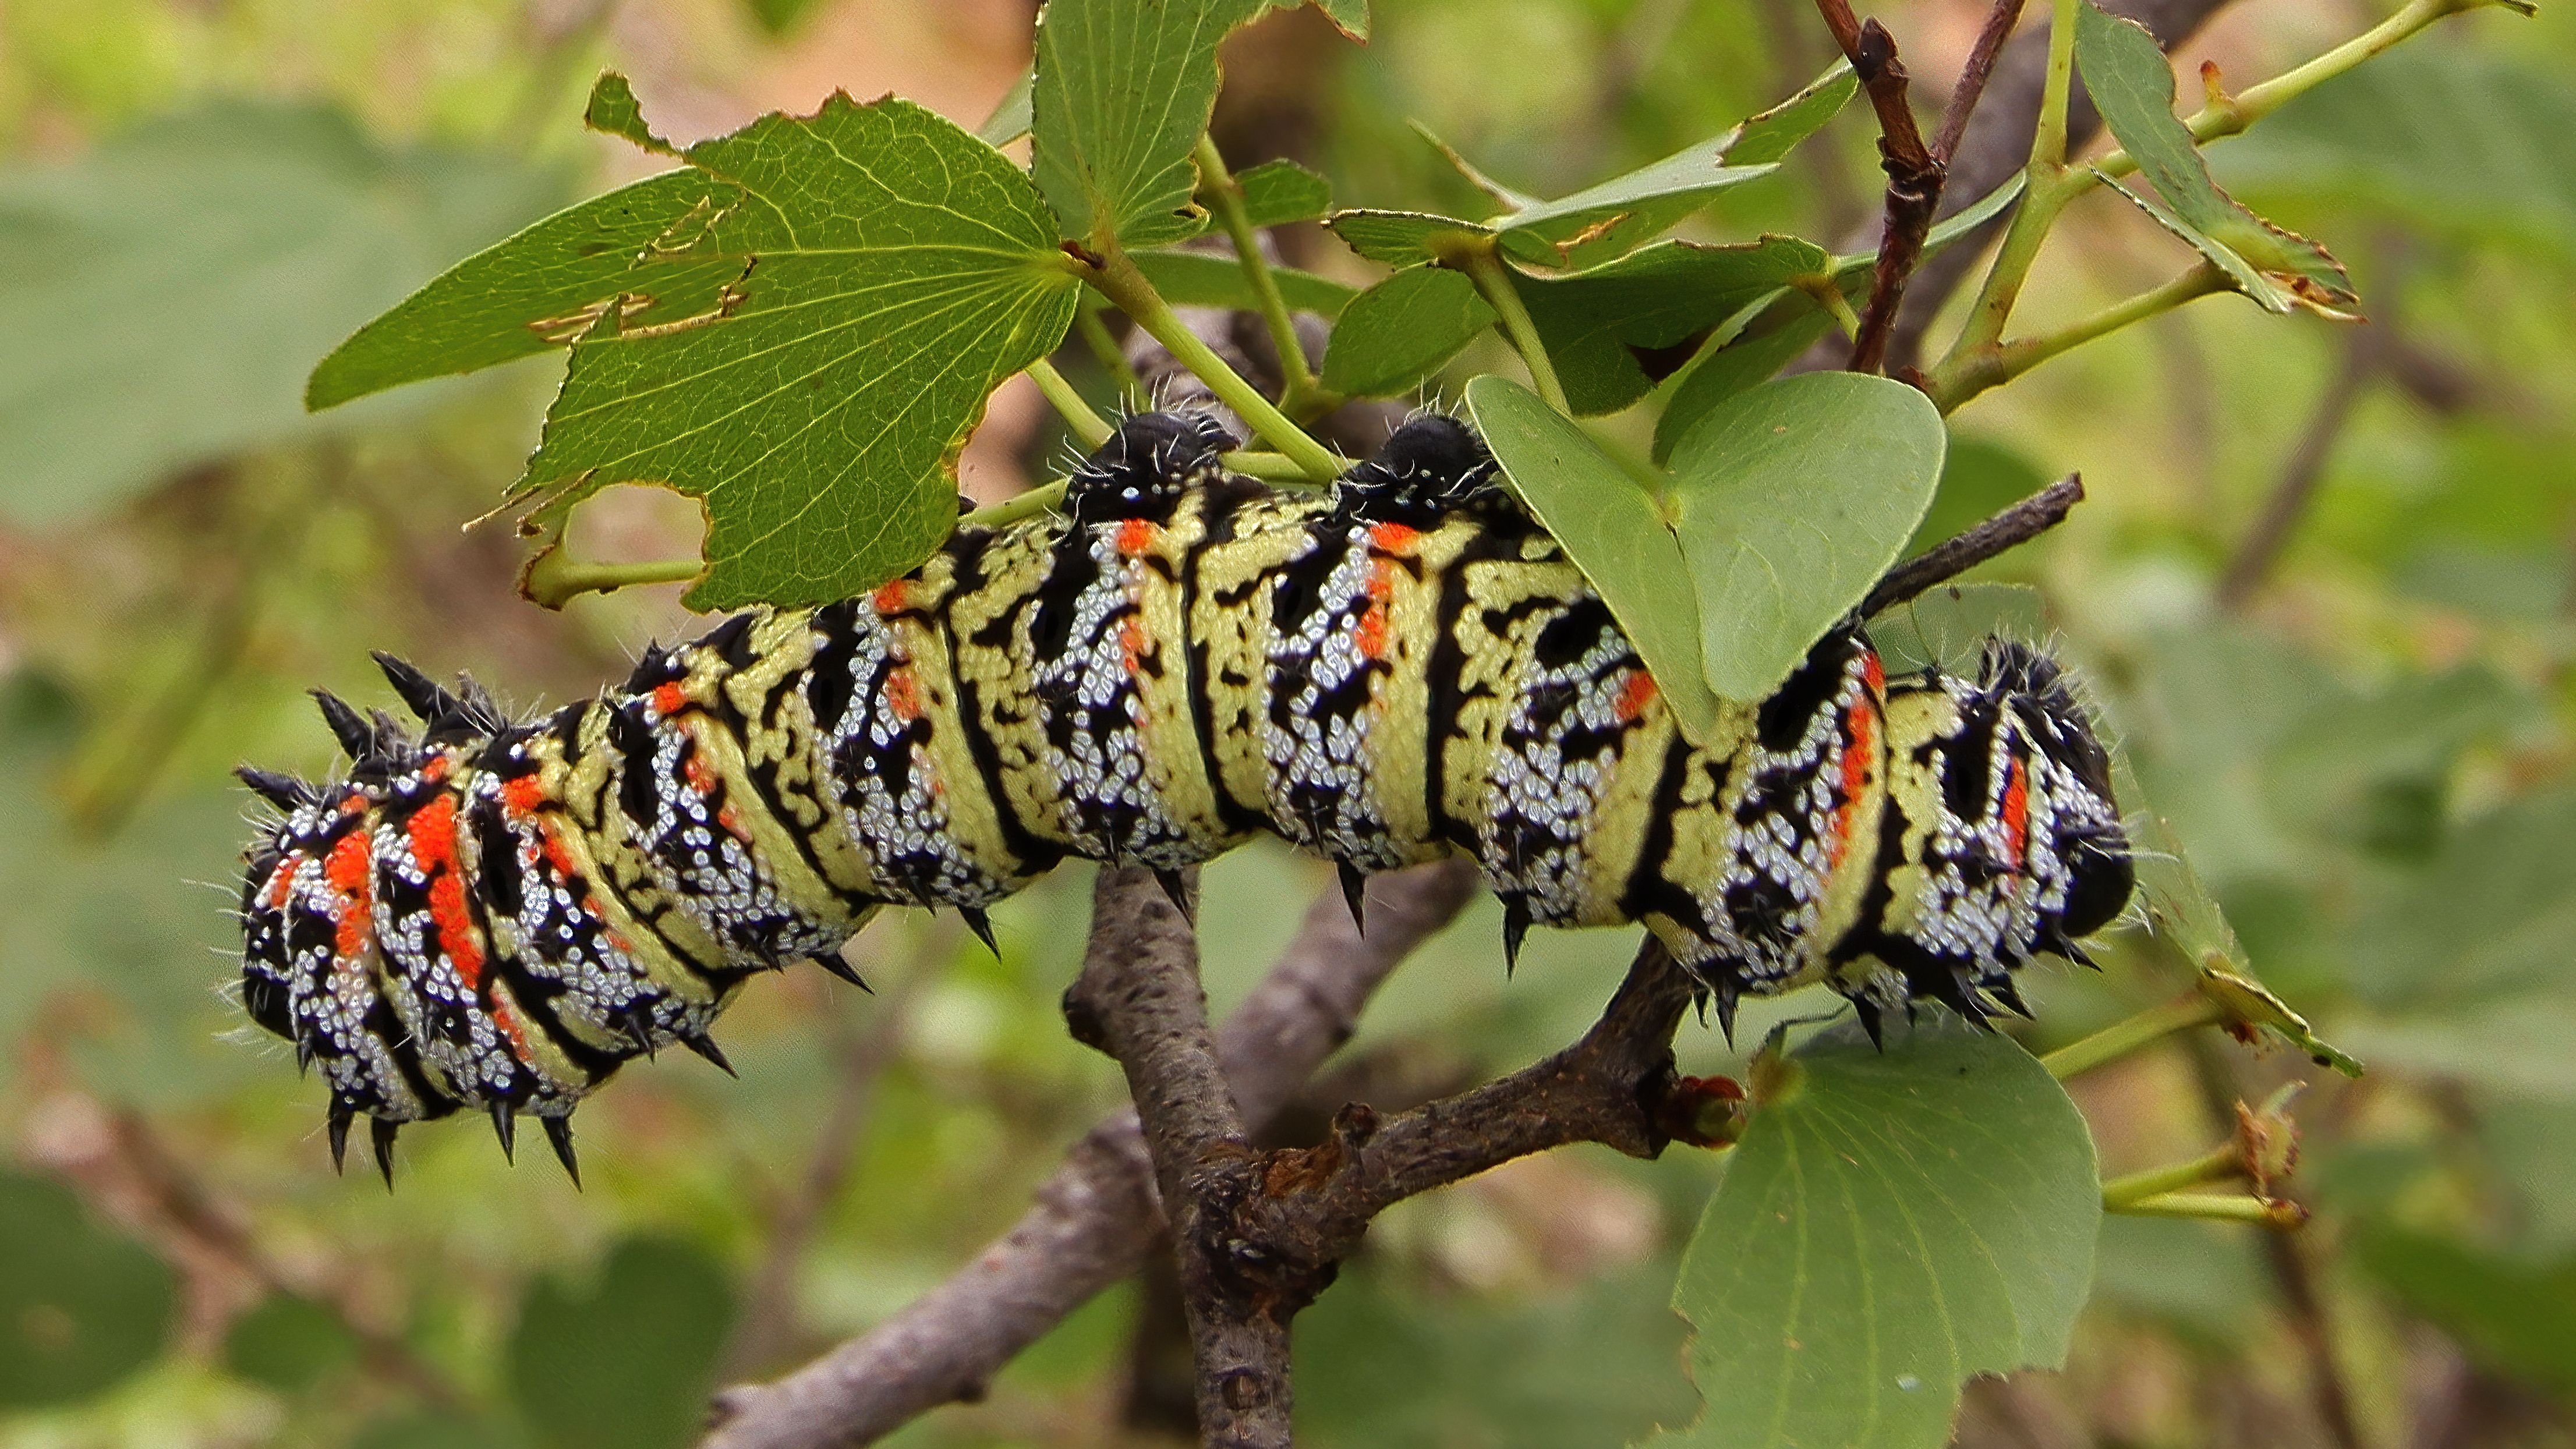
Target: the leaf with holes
(1892, 1224)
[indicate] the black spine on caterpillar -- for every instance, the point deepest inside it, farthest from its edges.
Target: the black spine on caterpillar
(498, 915)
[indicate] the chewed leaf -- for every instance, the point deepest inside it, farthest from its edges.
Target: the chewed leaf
(1892, 1224)
(800, 329)
(2132, 82)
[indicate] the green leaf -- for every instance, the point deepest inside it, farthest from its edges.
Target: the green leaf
(1790, 500)
(1276, 193)
(1213, 279)
(1892, 1224)
(1600, 223)
(1774, 329)
(80, 1308)
(289, 1345)
(881, 271)
(1403, 330)
(2131, 81)
(1351, 17)
(542, 289)
(162, 296)
(1123, 93)
(1009, 120)
(1617, 330)
(2460, 140)
(1947, 627)
(1613, 529)
(1405, 238)
(2490, 916)
(627, 1361)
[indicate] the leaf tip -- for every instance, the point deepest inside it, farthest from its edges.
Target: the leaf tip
(614, 111)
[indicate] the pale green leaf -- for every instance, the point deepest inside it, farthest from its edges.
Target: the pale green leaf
(1276, 193)
(888, 270)
(625, 1361)
(1403, 330)
(1946, 628)
(162, 296)
(1615, 331)
(1404, 238)
(1351, 17)
(1009, 120)
(1123, 92)
(1892, 1224)
(2131, 82)
(1213, 279)
(1612, 528)
(1771, 134)
(1790, 500)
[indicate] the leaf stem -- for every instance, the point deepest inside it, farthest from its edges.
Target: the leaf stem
(2268, 1212)
(2192, 1009)
(1088, 426)
(1268, 467)
(2216, 1165)
(2048, 137)
(1299, 395)
(1019, 506)
(1118, 280)
(1095, 335)
(1959, 377)
(1484, 266)
(554, 578)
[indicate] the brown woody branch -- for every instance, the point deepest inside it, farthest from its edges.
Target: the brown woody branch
(1095, 1220)
(2007, 530)
(1914, 175)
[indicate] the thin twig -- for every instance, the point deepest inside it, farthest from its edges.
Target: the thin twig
(1914, 175)
(1094, 1221)
(1973, 77)
(2009, 529)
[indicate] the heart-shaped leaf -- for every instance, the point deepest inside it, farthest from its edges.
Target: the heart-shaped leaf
(1790, 500)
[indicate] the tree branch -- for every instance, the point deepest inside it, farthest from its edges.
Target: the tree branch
(1095, 1220)
(1914, 174)
(1944, 561)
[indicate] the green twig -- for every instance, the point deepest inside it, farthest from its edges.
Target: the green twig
(1268, 467)
(554, 578)
(2216, 1165)
(1117, 279)
(1485, 268)
(1020, 506)
(2269, 1212)
(1959, 377)
(1299, 396)
(2123, 1037)
(1095, 335)
(2048, 136)
(1088, 426)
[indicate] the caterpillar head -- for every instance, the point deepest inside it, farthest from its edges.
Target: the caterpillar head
(2009, 842)
(1427, 467)
(1145, 467)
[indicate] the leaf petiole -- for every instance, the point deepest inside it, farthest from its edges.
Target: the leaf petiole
(1484, 266)
(1088, 426)
(2121, 1038)
(1116, 277)
(1959, 378)
(1095, 335)
(2217, 1165)
(2267, 1212)
(1300, 395)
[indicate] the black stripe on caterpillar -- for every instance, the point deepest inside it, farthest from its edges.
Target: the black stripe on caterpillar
(498, 914)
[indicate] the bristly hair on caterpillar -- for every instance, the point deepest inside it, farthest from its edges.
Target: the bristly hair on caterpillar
(498, 914)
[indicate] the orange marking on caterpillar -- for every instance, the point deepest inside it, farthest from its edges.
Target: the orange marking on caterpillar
(669, 699)
(1132, 640)
(521, 797)
(1873, 672)
(1634, 695)
(514, 1033)
(432, 829)
(892, 597)
(1137, 536)
(2016, 812)
(901, 697)
(1394, 538)
(350, 869)
(1859, 758)
(281, 882)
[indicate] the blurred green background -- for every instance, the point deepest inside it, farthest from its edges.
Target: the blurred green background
(2367, 751)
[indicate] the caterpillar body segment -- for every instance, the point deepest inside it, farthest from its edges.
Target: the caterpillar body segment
(499, 914)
